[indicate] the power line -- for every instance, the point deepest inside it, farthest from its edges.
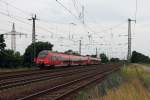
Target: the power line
(78, 18)
(42, 28)
(135, 14)
(75, 3)
(22, 11)
(136, 9)
(67, 10)
(2, 13)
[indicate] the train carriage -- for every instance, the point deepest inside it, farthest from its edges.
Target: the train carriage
(53, 59)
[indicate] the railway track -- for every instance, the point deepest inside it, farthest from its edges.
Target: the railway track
(60, 91)
(10, 75)
(19, 81)
(17, 71)
(59, 83)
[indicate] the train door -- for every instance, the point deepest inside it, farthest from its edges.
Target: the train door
(53, 60)
(57, 60)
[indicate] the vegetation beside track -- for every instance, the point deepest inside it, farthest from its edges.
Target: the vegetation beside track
(131, 83)
(148, 65)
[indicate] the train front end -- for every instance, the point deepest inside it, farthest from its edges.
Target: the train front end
(42, 59)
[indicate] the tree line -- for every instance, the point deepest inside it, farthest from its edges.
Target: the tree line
(9, 58)
(139, 58)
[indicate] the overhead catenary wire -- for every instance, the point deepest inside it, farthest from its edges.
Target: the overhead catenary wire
(89, 29)
(135, 15)
(136, 9)
(75, 4)
(44, 28)
(22, 11)
(26, 12)
(2, 13)
(67, 9)
(18, 18)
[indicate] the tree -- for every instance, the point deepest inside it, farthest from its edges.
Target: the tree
(104, 58)
(8, 58)
(2, 48)
(94, 56)
(72, 52)
(28, 55)
(11, 59)
(114, 59)
(139, 58)
(68, 52)
(2, 42)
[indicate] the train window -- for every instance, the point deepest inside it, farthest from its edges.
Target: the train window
(53, 58)
(60, 58)
(43, 54)
(65, 60)
(57, 58)
(50, 58)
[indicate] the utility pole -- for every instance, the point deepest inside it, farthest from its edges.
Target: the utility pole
(70, 29)
(96, 52)
(13, 38)
(80, 47)
(13, 34)
(33, 35)
(83, 14)
(129, 39)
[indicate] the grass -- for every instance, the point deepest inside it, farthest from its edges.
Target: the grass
(136, 72)
(145, 64)
(133, 90)
(131, 83)
(101, 89)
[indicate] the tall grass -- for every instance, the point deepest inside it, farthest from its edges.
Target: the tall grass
(101, 89)
(136, 72)
(131, 83)
(133, 90)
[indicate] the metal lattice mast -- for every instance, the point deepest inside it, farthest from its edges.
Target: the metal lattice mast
(129, 39)
(13, 34)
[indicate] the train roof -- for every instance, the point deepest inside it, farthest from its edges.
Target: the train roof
(76, 56)
(49, 51)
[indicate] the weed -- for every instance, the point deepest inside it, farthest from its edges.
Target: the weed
(131, 83)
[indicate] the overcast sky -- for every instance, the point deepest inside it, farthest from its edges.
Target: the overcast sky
(105, 22)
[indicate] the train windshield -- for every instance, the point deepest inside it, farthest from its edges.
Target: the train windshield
(43, 54)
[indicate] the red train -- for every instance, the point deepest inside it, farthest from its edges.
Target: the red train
(52, 59)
